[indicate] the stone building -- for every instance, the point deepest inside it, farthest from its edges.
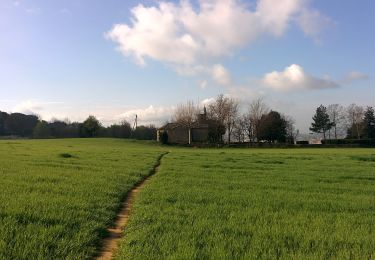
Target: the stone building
(199, 132)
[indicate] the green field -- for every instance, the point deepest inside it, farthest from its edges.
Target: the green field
(202, 204)
(257, 203)
(58, 196)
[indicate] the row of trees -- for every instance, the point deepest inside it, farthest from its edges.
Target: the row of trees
(258, 123)
(17, 124)
(352, 122)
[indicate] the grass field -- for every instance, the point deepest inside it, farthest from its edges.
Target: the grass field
(257, 203)
(58, 196)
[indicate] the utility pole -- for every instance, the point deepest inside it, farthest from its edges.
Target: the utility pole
(135, 122)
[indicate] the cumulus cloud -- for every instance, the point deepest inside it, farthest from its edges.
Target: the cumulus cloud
(191, 37)
(295, 78)
(149, 115)
(28, 107)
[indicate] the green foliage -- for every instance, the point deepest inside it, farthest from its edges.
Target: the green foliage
(369, 123)
(3, 117)
(255, 204)
(272, 128)
(91, 127)
(57, 197)
(17, 124)
(321, 122)
(122, 130)
(145, 133)
(42, 130)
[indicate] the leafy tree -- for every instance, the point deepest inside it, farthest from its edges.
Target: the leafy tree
(58, 128)
(369, 123)
(145, 132)
(42, 130)
(20, 124)
(321, 122)
(3, 117)
(122, 130)
(91, 127)
(272, 127)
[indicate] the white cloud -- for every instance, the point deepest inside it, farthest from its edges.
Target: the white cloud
(275, 16)
(221, 75)
(312, 22)
(354, 76)
(295, 78)
(194, 37)
(33, 107)
(148, 115)
(207, 101)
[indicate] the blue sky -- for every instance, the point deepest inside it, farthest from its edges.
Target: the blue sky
(115, 59)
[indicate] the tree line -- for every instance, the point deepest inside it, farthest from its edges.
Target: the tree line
(351, 122)
(259, 123)
(228, 124)
(31, 126)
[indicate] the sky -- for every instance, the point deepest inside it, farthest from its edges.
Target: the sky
(115, 59)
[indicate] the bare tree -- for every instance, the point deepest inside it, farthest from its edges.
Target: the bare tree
(225, 111)
(336, 116)
(291, 132)
(354, 116)
(185, 115)
(217, 109)
(232, 115)
(257, 108)
(248, 127)
(239, 128)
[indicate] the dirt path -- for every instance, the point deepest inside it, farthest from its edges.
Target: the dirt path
(111, 243)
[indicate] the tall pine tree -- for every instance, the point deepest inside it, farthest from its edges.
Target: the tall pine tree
(321, 122)
(369, 123)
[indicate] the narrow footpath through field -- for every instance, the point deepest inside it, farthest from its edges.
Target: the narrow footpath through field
(111, 243)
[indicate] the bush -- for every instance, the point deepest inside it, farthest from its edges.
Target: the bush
(302, 142)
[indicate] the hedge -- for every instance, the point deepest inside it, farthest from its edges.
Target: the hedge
(350, 141)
